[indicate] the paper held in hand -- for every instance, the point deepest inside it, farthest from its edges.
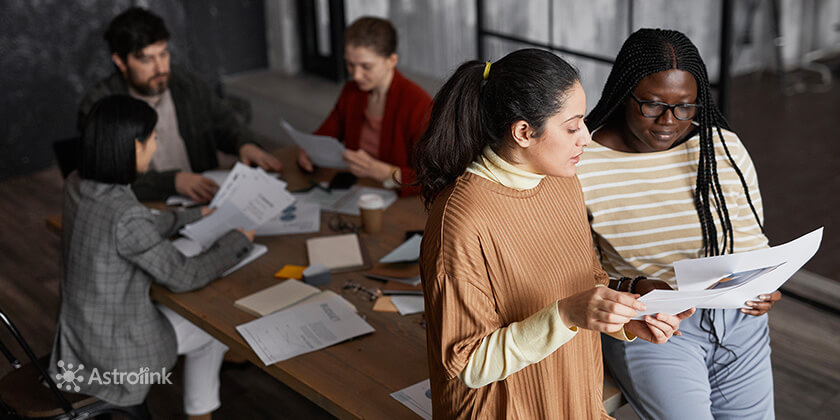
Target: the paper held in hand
(324, 151)
(247, 199)
(728, 281)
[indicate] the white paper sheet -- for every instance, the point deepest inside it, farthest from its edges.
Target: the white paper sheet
(750, 273)
(408, 304)
(324, 151)
(300, 217)
(418, 398)
(302, 328)
(190, 248)
(408, 251)
(248, 199)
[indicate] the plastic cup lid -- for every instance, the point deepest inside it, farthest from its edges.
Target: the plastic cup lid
(371, 201)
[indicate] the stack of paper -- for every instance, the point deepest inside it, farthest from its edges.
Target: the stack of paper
(247, 199)
(302, 328)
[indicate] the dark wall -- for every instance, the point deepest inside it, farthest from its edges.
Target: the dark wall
(51, 51)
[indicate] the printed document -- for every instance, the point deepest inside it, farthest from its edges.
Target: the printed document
(418, 398)
(728, 281)
(301, 217)
(303, 328)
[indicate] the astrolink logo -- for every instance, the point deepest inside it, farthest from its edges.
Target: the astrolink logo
(70, 378)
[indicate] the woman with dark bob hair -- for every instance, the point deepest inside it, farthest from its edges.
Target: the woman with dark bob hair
(513, 290)
(380, 114)
(666, 180)
(114, 249)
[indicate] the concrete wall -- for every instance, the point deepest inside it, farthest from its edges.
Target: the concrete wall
(437, 35)
(51, 51)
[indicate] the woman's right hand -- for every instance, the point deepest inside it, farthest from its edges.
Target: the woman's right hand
(248, 233)
(599, 309)
(304, 162)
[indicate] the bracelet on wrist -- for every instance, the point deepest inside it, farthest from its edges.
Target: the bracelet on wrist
(622, 281)
(632, 288)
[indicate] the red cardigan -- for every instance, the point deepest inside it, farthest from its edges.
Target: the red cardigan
(407, 108)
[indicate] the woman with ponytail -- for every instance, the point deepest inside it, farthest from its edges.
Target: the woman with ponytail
(510, 277)
(666, 180)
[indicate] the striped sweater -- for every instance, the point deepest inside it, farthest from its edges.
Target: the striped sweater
(641, 205)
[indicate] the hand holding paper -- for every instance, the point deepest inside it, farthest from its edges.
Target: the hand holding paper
(322, 150)
(729, 281)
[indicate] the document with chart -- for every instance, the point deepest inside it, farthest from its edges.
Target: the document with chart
(728, 281)
(303, 328)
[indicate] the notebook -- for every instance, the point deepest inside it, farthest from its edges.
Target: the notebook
(276, 297)
(337, 252)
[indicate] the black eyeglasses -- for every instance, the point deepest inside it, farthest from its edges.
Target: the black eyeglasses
(654, 109)
(338, 224)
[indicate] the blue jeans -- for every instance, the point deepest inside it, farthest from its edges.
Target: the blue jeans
(683, 379)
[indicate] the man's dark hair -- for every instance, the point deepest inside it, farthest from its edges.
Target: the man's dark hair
(108, 153)
(133, 30)
(372, 32)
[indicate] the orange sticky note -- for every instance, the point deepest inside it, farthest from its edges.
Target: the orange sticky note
(290, 272)
(384, 304)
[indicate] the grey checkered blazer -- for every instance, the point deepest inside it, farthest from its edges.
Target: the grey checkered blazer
(114, 248)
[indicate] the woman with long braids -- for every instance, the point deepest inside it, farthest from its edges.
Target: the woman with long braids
(510, 276)
(664, 180)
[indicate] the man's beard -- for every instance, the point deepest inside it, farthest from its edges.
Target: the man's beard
(147, 88)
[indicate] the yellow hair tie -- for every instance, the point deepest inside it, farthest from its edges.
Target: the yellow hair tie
(487, 70)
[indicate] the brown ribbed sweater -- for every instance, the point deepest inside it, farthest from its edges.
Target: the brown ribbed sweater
(492, 255)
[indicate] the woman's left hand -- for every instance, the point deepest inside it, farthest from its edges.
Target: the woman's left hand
(364, 165)
(658, 329)
(764, 304)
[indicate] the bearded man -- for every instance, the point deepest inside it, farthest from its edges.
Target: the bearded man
(193, 123)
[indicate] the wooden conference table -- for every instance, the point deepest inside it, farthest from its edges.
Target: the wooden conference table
(353, 379)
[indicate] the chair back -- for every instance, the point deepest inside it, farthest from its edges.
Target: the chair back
(67, 154)
(5, 411)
